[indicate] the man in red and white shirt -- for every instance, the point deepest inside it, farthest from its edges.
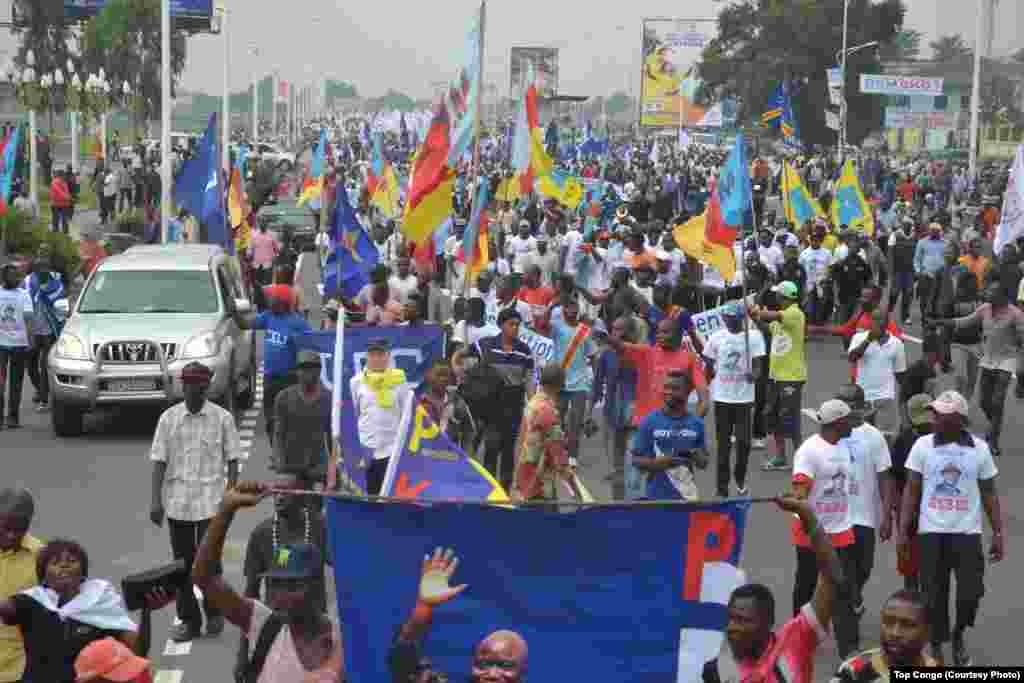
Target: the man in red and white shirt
(754, 650)
(821, 476)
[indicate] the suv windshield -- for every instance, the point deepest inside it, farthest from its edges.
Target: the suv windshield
(160, 291)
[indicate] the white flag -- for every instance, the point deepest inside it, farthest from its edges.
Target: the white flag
(1011, 224)
(832, 120)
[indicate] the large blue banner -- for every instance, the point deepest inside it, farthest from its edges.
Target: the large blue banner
(83, 9)
(413, 349)
(608, 595)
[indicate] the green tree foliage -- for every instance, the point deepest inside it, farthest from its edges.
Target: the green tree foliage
(948, 48)
(124, 39)
(393, 100)
(761, 42)
(45, 33)
(1000, 100)
(340, 90)
(618, 103)
(905, 45)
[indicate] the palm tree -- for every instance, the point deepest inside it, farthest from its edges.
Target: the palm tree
(948, 48)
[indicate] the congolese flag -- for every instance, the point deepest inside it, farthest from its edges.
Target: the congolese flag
(849, 207)
(313, 185)
(431, 182)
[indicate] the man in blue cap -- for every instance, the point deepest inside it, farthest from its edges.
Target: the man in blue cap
(734, 362)
(294, 601)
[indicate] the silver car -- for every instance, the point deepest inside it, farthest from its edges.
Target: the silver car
(142, 316)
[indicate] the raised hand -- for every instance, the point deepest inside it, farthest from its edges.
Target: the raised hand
(244, 495)
(437, 573)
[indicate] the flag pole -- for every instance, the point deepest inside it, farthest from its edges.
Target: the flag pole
(475, 168)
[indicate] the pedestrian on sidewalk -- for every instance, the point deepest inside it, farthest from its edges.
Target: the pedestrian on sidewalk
(46, 289)
(195, 442)
(16, 320)
(734, 362)
(951, 478)
(60, 203)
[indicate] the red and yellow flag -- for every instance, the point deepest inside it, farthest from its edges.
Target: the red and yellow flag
(431, 183)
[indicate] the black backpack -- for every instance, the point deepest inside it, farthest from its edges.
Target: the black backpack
(268, 632)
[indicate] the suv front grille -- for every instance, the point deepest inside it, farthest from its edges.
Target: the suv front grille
(134, 352)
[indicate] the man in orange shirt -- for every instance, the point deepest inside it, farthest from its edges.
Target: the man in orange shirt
(870, 299)
(637, 254)
(975, 262)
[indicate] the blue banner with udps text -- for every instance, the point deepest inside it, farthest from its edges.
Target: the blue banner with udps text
(617, 594)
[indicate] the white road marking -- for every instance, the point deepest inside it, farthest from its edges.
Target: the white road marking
(168, 676)
(246, 433)
(246, 444)
(173, 649)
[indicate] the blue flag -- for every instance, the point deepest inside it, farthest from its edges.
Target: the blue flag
(413, 349)
(199, 187)
(734, 191)
(7, 168)
(430, 466)
(596, 588)
(348, 268)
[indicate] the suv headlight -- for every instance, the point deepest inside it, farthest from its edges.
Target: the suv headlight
(71, 347)
(201, 346)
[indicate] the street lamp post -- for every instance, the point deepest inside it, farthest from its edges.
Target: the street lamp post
(255, 52)
(76, 86)
(842, 57)
(225, 120)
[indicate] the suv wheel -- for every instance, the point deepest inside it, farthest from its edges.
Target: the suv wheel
(247, 398)
(67, 420)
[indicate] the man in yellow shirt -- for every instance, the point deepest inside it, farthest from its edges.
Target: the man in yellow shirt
(787, 369)
(18, 551)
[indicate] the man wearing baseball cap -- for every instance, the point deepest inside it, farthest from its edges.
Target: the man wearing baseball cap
(951, 477)
(821, 474)
(787, 369)
(302, 413)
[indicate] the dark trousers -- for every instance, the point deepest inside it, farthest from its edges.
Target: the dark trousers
(185, 540)
(760, 402)
(375, 475)
(37, 366)
(863, 560)
(500, 458)
(732, 419)
(846, 626)
(272, 386)
(925, 285)
(125, 199)
(12, 375)
(60, 219)
(992, 387)
(902, 286)
(943, 556)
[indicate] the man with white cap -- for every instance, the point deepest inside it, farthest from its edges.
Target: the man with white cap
(821, 473)
(951, 477)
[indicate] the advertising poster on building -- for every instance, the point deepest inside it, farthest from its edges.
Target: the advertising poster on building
(545, 66)
(670, 87)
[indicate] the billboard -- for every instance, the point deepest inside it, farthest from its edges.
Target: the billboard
(545, 65)
(897, 117)
(899, 85)
(669, 84)
(187, 14)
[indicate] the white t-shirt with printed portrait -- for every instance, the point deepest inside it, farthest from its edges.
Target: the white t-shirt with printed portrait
(729, 351)
(877, 368)
(950, 496)
(15, 304)
(869, 457)
(828, 467)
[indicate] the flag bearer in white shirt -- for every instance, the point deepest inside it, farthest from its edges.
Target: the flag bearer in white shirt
(881, 360)
(951, 477)
(869, 489)
(734, 366)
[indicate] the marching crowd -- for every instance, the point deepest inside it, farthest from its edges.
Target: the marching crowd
(614, 301)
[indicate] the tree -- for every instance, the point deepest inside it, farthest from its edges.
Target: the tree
(124, 39)
(948, 48)
(1000, 101)
(46, 34)
(761, 43)
(393, 101)
(906, 45)
(618, 103)
(340, 90)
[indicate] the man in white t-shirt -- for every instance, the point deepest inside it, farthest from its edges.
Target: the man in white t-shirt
(869, 490)
(881, 361)
(821, 475)
(16, 311)
(520, 248)
(403, 283)
(734, 363)
(769, 252)
(951, 477)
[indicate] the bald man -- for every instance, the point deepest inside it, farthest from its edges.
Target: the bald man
(501, 657)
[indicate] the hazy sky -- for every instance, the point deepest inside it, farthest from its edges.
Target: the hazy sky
(408, 45)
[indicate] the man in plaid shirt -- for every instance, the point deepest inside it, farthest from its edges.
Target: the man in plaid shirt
(194, 440)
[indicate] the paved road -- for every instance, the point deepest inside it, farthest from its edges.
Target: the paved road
(96, 489)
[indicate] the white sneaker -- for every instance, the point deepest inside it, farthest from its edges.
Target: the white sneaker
(759, 444)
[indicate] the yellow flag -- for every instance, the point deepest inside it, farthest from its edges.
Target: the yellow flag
(387, 195)
(421, 221)
(799, 204)
(849, 207)
(508, 190)
(690, 238)
(568, 192)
